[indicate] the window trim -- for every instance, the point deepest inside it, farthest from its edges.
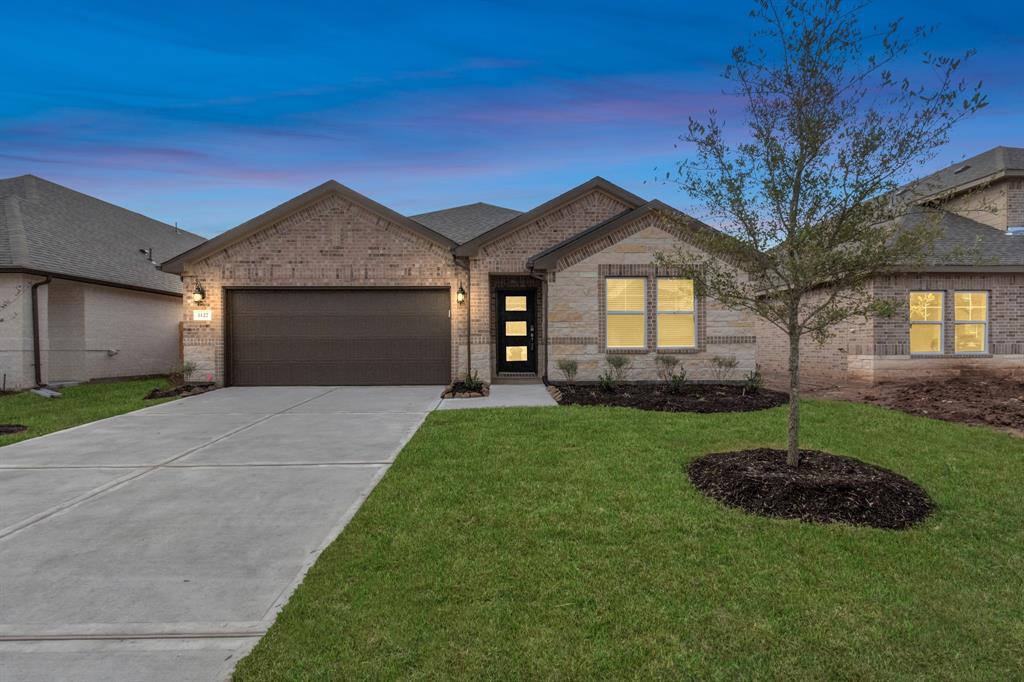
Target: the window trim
(642, 313)
(941, 322)
(692, 312)
(983, 323)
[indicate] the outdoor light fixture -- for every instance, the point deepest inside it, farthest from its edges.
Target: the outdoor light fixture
(460, 295)
(198, 294)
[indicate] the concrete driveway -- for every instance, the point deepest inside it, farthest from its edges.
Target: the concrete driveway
(159, 545)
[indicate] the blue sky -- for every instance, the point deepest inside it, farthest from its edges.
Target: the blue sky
(207, 114)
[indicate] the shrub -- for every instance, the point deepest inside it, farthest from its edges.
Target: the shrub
(666, 367)
(676, 383)
(568, 368)
(722, 367)
(180, 373)
(753, 381)
(472, 382)
(616, 372)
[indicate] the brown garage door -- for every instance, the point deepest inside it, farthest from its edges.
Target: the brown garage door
(331, 337)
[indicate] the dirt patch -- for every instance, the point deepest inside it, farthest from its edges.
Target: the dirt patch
(704, 398)
(825, 488)
(969, 399)
(178, 391)
(6, 429)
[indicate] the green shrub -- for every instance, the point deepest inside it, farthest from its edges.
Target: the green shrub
(612, 377)
(568, 368)
(180, 373)
(678, 380)
(754, 381)
(472, 382)
(666, 367)
(722, 367)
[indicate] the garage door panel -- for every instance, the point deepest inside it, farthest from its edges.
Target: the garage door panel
(339, 337)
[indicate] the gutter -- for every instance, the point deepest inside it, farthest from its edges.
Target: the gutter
(36, 352)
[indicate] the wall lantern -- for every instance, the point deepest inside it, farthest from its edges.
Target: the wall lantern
(198, 294)
(460, 295)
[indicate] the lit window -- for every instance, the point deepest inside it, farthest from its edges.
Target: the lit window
(926, 322)
(970, 321)
(626, 305)
(515, 328)
(515, 303)
(676, 323)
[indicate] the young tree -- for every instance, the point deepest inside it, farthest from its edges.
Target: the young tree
(807, 205)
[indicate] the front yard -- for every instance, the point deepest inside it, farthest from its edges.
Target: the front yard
(568, 543)
(77, 405)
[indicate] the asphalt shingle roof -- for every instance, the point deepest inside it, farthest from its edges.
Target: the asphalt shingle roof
(51, 228)
(463, 223)
(967, 242)
(996, 161)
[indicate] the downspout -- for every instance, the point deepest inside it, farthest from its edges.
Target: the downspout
(36, 351)
(543, 277)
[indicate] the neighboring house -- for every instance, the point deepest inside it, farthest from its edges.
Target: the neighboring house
(334, 288)
(963, 311)
(79, 299)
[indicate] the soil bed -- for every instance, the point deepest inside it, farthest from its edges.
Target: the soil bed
(6, 429)
(178, 391)
(970, 399)
(703, 398)
(823, 489)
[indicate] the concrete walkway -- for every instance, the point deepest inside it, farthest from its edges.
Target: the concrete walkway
(505, 395)
(159, 545)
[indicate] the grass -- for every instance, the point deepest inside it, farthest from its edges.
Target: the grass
(567, 542)
(77, 405)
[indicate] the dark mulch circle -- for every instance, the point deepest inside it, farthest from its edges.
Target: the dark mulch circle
(704, 398)
(178, 391)
(824, 488)
(12, 428)
(459, 389)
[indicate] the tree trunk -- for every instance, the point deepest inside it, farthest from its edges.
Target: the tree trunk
(793, 452)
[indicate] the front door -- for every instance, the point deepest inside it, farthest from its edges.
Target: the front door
(517, 331)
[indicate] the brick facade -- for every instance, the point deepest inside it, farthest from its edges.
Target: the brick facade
(877, 350)
(332, 243)
(576, 312)
(507, 255)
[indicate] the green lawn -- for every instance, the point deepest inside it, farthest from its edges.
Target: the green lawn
(77, 405)
(567, 543)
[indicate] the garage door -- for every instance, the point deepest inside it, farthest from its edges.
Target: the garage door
(330, 337)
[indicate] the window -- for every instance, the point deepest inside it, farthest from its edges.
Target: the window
(626, 312)
(926, 322)
(970, 321)
(676, 324)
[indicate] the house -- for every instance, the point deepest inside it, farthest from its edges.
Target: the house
(332, 287)
(80, 294)
(962, 310)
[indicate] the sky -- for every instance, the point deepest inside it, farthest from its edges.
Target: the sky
(207, 114)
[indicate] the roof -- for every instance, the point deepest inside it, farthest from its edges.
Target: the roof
(985, 167)
(462, 223)
(260, 222)
(51, 229)
(965, 243)
(471, 247)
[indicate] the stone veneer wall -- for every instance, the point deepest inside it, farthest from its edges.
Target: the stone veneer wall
(508, 254)
(576, 310)
(332, 243)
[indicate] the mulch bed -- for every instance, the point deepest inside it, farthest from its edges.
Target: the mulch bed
(178, 391)
(6, 429)
(704, 398)
(972, 399)
(823, 489)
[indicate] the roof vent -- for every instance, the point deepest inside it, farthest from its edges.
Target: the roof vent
(1015, 231)
(961, 169)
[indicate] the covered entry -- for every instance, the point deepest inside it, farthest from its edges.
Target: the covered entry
(337, 337)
